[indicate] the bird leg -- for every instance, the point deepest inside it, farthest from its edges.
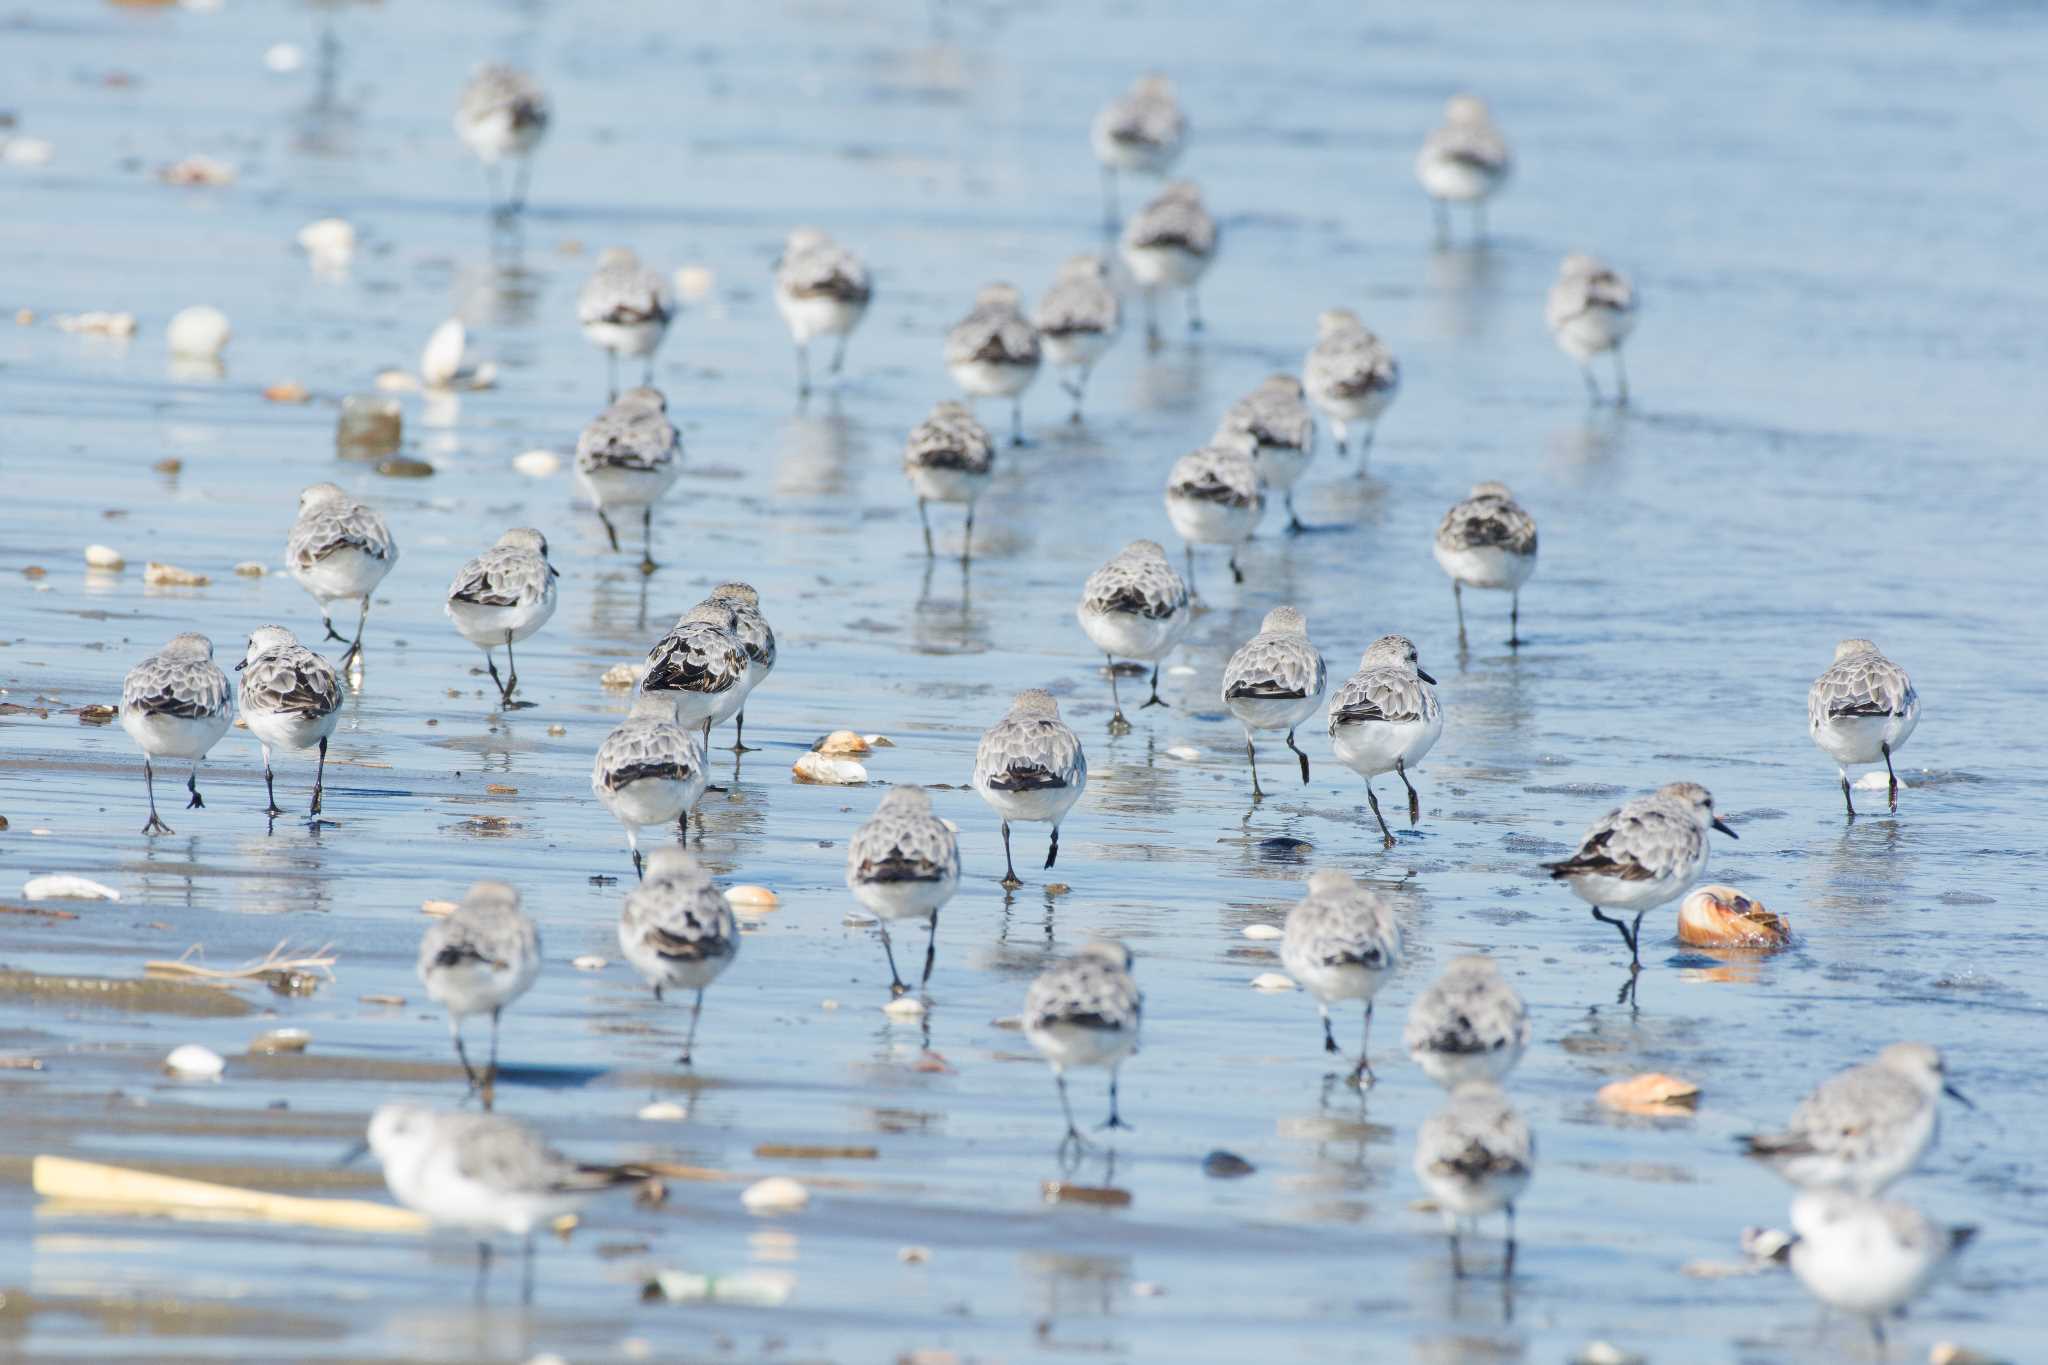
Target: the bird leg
(1152, 342)
(611, 372)
(519, 179)
(1236, 574)
(931, 952)
(1515, 640)
(1052, 852)
(839, 354)
(1194, 311)
(1369, 796)
(1628, 936)
(1294, 526)
(1155, 699)
(319, 780)
(1191, 570)
(1507, 1265)
(1457, 1261)
(926, 518)
(1892, 776)
(690, 1038)
(1443, 221)
(896, 986)
(1251, 756)
(1017, 420)
(1009, 867)
(491, 1067)
(1414, 800)
(491, 663)
(966, 541)
(270, 785)
(1067, 1108)
(1847, 799)
(328, 621)
(639, 864)
(739, 733)
(1361, 1075)
(511, 670)
(461, 1054)
(1113, 1121)
(156, 824)
(1300, 755)
(647, 564)
(1329, 1038)
(192, 785)
(1117, 724)
(526, 1273)
(1592, 385)
(1620, 381)
(355, 647)
(610, 530)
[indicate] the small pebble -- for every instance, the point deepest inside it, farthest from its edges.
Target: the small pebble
(329, 241)
(403, 467)
(914, 1255)
(171, 576)
(287, 391)
(557, 731)
(199, 332)
(250, 568)
(1222, 1165)
(98, 323)
(281, 1040)
(170, 464)
(694, 282)
(197, 170)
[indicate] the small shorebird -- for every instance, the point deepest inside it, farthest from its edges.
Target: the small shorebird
(176, 704)
(479, 960)
(1469, 1025)
(1385, 718)
(484, 1175)
(1283, 434)
(502, 596)
(1078, 319)
(701, 666)
(628, 457)
(1030, 768)
(1463, 161)
(756, 637)
(1085, 1011)
(624, 308)
(949, 457)
(1350, 375)
(1214, 496)
(1864, 1128)
(993, 352)
(904, 863)
(1135, 607)
(649, 771)
(1867, 1256)
(1275, 681)
(1475, 1156)
(1860, 710)
(339, 551)
(1488, 541)
(1142, 130)
(1342, 942)
(678, 930)
(1170, 244)
(821, 289)
(291, 699)
(503, 114)
(1592, 308)
(1640, 855)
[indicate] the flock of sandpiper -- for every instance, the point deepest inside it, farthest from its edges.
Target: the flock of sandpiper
(1846, 1143)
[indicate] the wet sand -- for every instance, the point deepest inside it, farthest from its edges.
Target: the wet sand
(1834, 375)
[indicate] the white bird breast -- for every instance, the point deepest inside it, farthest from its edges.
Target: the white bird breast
(1273, 713)
(1861, 739)
(162, 736)
(818, 316)
(1486, 566)
(1127, 635)
(610, 486)
(346, 573)
(626, 338)
(289, 729)
(1164, 267)
(986, 379)
(1371, 747)
(945, 485)
(1046, 806)
(487, 627)
(1212, 523)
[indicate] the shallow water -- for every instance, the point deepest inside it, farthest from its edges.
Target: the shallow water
(1834, 434)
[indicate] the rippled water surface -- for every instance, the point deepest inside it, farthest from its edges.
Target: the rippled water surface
(1827, 209)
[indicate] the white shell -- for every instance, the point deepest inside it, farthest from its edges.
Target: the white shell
(284, 58)
(196, 1063)
(747, 896)
(330, 241)
(441, 361)
(537, 464)
(1186, 753)
(694, 281)
(903, 1007)
(663, 1111)
(1272, 981)
(832, 772)
(199, 333)
(104, 557)
(1264, 931)
(62, 886)
(776, 1194)
(589, 962)
(98, 323)
(171, 576)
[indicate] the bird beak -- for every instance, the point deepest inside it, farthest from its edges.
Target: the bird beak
(1722, 825)
(1425, 677)
(242, 665)
(1957, 1096)
(355, 1153)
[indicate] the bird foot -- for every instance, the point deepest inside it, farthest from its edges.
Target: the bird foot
(1011, 882)
(274, 810)
(1118, 725)
(157, 826)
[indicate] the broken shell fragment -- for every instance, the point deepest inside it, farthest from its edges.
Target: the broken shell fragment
(842, 742)
(904, 1007)
(832, 772)
(438, 908)
(747, 896)
(1722, 917)
(441, 361)
(1263, 931)
(171, 576)
(62, 886)
(1272, 981)
(98, 323)
(287, 391)
(621, 676)
(1653, 1093)
(280, 1040)
(197, 170)
(250, 568)
(329, 241)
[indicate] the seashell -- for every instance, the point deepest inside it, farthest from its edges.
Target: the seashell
(171, 576)
(199, 332)
(663, 1111)
(284, 58)
(102, 324)
(62, 886)
(913, 1255)
(197, 170)
(1722, 917)
(842, 742)
(832, 772)
(747, 896)
(195, 1063)
(879, 741)
(250, 568)
(694, 282)
(104, 557)
(329, 241)
(26, 151)
(438, 908)
(1186, 753)
(589, 962)
(1653, 1093)
(1272, 981)
(1264, 931)
(537, 464)
(776, 1194)
(287, 391)
(281, 1040)
(904, 1007)
(441, 361)
(621, 676)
